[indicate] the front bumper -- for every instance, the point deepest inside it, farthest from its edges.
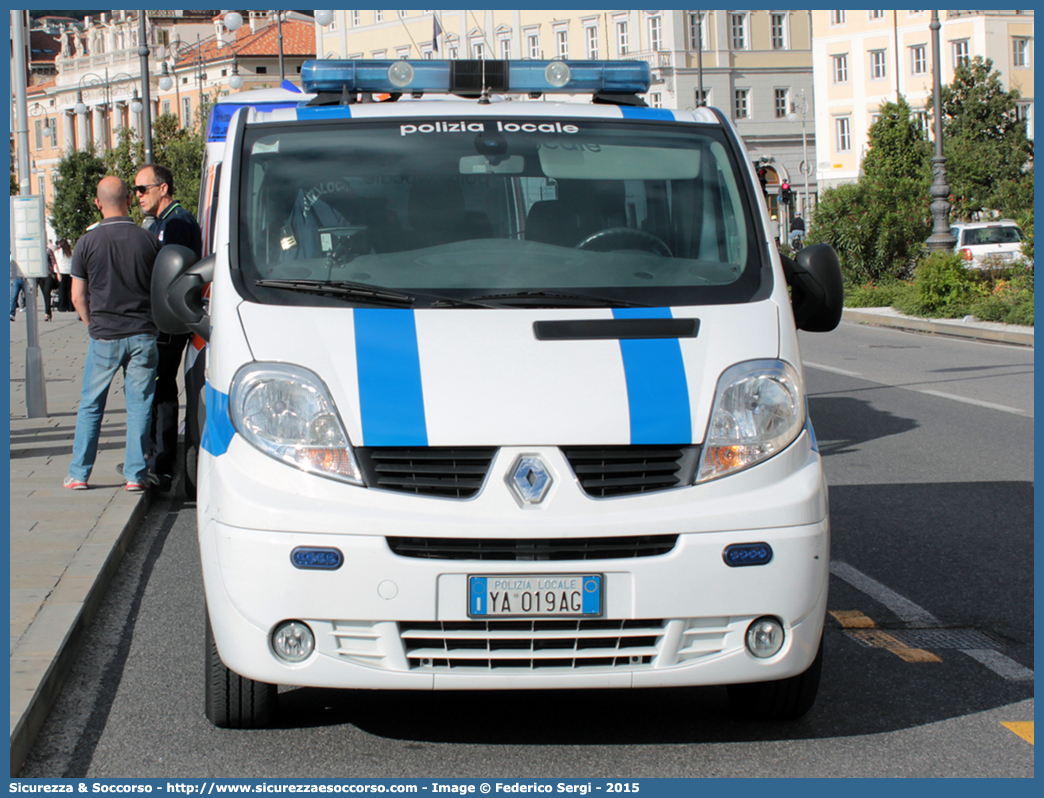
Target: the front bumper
(384, 621)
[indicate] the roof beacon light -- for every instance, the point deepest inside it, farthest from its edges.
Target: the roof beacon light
(456, 77)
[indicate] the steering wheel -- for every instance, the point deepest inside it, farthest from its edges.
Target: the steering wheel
(614, 238)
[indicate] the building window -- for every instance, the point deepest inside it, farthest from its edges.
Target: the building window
(378, 16)
(782, 103)
(919, 59)
(402, 13)
(656, 33)
(779, 31)
(877, 15)
(562, 43)
(402, 52)
(333, 23)
(591, 42)
(738, 31)
(54, 133)
(623, 37)
(697, 31)
(1020, 52)
(656, 99)
(261, 70)
(961, 53)
(843, 133)
(39, 133)
(452, 51)
(505, 47)
(166, 106)
(877, 64)
(356, 19)
(741, 104)
(478, 49)
(186, 112)
(705, 97)
(837, 17)
(920, 119)
(426, 53)
(532, 45)
(839, 68)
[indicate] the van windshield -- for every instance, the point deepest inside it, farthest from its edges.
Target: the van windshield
(502, 211)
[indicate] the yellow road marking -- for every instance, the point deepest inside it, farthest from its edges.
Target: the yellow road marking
(1022, 728)
(864, 629)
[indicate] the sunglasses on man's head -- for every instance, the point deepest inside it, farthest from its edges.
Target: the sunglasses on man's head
(143, 189)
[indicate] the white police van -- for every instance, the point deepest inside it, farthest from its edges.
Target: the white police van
(502, 393)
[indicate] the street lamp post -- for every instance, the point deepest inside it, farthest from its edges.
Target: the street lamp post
(800, 106)
(146, 102)
(37, 110)
(279, 25)
(940, 240)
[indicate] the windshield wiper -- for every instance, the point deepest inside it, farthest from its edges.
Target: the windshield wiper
(361, 292)
(557, 299)
(344, 289)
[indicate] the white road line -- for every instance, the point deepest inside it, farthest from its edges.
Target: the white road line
(903, 607)
(832, 370)
(977, 402)
(907, 611)
(1000, 664)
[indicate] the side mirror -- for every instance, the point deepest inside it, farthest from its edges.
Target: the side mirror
(817, 291)
(178, 282)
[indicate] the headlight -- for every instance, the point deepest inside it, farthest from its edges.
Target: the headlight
(759, 409)
(286, 412)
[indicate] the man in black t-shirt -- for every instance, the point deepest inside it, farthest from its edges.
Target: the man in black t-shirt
(112, 277)
(173, 225)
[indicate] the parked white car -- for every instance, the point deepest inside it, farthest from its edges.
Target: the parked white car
(988, 245)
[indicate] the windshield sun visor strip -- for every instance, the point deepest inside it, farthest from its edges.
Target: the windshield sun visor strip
(391, 398)
(657, 388)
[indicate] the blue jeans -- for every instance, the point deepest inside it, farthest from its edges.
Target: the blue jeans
(17, 287)
(138, 357)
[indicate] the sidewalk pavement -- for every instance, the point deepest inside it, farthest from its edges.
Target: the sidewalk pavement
(66, 545)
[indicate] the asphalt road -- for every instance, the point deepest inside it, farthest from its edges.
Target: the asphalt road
(929, 645)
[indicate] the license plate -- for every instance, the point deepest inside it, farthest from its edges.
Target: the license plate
(535, 596)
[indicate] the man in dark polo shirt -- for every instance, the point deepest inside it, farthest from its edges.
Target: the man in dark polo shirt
(154, 185)
(112, 276)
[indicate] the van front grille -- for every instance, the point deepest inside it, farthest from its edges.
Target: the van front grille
(540, 549)
(605, 471)
(456, 473)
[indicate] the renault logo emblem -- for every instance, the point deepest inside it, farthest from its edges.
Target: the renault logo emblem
(530, 479)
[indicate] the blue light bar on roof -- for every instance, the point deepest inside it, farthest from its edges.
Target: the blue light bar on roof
(469, 77)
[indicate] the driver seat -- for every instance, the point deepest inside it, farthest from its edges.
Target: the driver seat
(583, 208)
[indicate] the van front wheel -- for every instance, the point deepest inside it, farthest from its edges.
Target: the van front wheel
(783, 699)
(232, 701)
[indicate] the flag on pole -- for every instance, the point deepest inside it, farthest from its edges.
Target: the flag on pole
(436, 30)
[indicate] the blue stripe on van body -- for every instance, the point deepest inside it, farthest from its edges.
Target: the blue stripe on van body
(657, 389)
(636, 112)
(391, 399)
(218, 431)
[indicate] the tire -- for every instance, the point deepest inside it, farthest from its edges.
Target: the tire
(191, 461)
(232, 701)
(783, 699)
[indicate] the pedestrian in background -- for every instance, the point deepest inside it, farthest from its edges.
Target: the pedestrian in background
(63, 257)
(17, 287)
(174, 225)
(49, 283)
(112, 277)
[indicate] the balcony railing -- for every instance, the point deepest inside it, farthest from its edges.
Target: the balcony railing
(658, 59)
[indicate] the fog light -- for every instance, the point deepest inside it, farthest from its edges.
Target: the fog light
(765, 637)
(293, 641)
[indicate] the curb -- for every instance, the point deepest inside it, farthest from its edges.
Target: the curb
(1017, 336)
(88, 576)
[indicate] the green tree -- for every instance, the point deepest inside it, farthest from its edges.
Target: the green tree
(75, 186)
(878, 225)
(15, 188)
(988, 156)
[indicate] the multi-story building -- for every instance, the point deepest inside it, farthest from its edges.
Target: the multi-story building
(96, 87)
(756, 65)
(862, 59)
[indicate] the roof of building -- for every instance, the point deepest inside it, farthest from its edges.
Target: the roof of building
(43, 46)
(298, 40)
